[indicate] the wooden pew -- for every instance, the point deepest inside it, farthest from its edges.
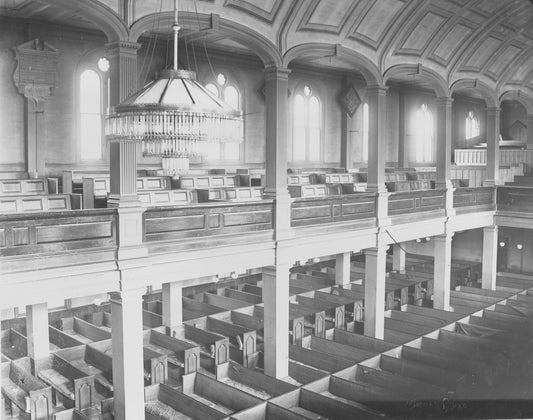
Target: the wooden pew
(24, 392)
(301, 374)
(30, 186)
(82, 330)
(407, 327)
(39, 203)
(408, 317)
(220, 396)
(358, 298)
(267, 411)
(349, 312)
(182, 354)
(253, 289)
(91, 361)
(334, 312)
(252, 381)
(72, 387)
(243, 346)
(215, 347)
(446, 316)
(195, 309)
(165, 403)
(297, 321)
(318, 359)
(223, 302)
(241, 295)
(313, 405)
(362, 342)
(338, 349)
(14, 344)
(61, 340)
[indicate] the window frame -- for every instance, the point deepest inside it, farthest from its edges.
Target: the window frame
(314, 93)
(424, 147)
(472, 121)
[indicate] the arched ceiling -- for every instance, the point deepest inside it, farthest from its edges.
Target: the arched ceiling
(488, 40)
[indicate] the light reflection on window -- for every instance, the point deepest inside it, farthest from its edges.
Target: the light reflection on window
(307, 126)
(424, 135)
(90, 115)
(471, 126)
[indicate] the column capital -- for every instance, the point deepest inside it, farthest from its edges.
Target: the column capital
(445, 101)
(444, 237)
(493, 111)
(490, 229)
(377, 90)
(122, 47)
(276, 73)
(119, 297)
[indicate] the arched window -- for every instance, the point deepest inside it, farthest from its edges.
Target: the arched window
(90, 115)
(424, 135)
(307, 126)
(364, 149)
(471, 126)
(226, 91)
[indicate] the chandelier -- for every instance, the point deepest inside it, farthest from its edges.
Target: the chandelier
(174, 116)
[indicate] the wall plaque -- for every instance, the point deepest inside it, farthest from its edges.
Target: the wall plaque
(36, 74)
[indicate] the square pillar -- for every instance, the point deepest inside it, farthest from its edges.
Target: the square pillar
(37, 334)
(442, 271)
(490, 257)
(128, 370)
(276, 320)
(172, 306)
(529, 131)
(398, 258)
(377, 114)
(493, 147)
(277, 134)
(342, 268)
(375, 263)
(444, 151)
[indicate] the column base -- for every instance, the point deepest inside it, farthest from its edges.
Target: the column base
(120, 201)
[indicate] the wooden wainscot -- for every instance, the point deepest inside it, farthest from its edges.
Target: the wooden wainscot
(28, 396)
(222, 397)
(165, 403)
(72, 387)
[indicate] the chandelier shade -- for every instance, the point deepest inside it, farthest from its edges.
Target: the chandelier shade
(174, 116)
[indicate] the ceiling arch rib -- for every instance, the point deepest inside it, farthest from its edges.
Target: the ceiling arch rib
(102, 16)
(414, 74)
(477, 89)
(256, 43)
(320, 50)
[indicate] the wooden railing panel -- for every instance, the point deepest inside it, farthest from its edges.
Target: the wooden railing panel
(206, 220)
(332, 209)
(515, 199)
(48, 232)
(416, 201)
(474, 197)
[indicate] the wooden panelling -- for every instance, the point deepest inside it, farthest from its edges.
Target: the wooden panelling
(416, 201)
(206, 220)
(312, 211)
(465, 197)
(47, 232)
(515, 199)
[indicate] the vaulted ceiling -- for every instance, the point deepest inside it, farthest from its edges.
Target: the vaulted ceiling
(486, 40)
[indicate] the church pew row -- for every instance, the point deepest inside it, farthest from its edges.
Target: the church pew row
(313, 405)
(14, 344)
(25, 394)
(72, 387)
(220, 396)
(242, 340)
(39, 203)
(162, 402)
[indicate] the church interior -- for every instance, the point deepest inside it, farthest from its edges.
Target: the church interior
(266, 210)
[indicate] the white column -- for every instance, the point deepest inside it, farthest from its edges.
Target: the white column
(277, 133)
(493, 147)
(444, 151)
(490, 256)
(128, 370)
(37, 334)
(172, 306)
(398, 258)
(342, 268)
(375, 260)
(377, 112)
(276, 319)
(442, 271)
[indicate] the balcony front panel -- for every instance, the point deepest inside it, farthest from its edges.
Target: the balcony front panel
(206, 220)
(515, 199)
(57, 232)
(405, 203)
(331, 209)
(474, 199)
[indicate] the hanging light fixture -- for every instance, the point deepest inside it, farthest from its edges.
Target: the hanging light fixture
(174, 116)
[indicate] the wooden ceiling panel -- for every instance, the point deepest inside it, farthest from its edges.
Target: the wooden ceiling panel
(500, 63)
(522, 71)
(482, 54)
(454, 38)
(266, 10)
(372, 26)
(422, 33)
(328, 15)
(489, 7)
